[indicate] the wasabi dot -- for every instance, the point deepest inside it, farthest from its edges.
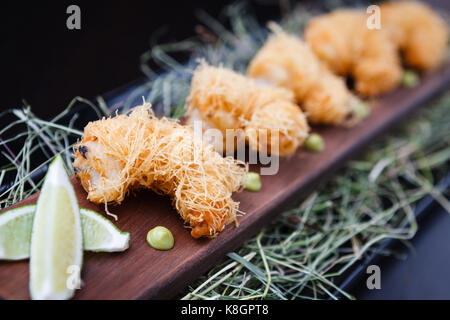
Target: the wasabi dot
(410, 79)
(253, 182)
(315, 143)
(160, 238)
(361, 110)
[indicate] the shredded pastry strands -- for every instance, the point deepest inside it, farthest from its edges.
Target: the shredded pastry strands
(287, 61)
(138, 151)
(416, 30)
(343, 42)
(228, 101)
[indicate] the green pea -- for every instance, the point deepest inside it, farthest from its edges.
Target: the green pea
(160, 238)
(361, 110)
(253, 182)
(315, 143)
(410, 79)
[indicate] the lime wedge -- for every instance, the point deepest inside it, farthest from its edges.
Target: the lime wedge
(99, 234)
(56, 239)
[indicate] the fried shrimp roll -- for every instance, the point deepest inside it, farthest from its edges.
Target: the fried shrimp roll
(289, 62)
(419, 32)
(138, 151)
(343, 42)
(228, 101)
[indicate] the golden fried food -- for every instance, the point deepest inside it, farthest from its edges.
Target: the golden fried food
(138, 151)
(266, 115)
(289, 62)
(419, 32)
(342, 40)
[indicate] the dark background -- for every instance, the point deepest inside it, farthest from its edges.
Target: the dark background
(47, 65)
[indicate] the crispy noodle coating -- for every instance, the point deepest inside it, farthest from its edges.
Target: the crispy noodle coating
(228, 101)
(139, 151)
(419, 32)
(343, 42)
(289, 62)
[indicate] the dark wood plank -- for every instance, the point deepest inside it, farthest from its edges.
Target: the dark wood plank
(143, 273)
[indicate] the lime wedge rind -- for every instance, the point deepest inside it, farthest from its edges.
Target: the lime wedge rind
(14, 248)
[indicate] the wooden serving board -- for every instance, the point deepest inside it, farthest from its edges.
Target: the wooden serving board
(144, 273)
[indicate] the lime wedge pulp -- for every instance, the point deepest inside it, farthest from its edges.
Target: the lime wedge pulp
(15, 233)
(99, 234)
(56, 237)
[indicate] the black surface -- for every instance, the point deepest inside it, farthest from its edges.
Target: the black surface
(424, 271)
(354, 280)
